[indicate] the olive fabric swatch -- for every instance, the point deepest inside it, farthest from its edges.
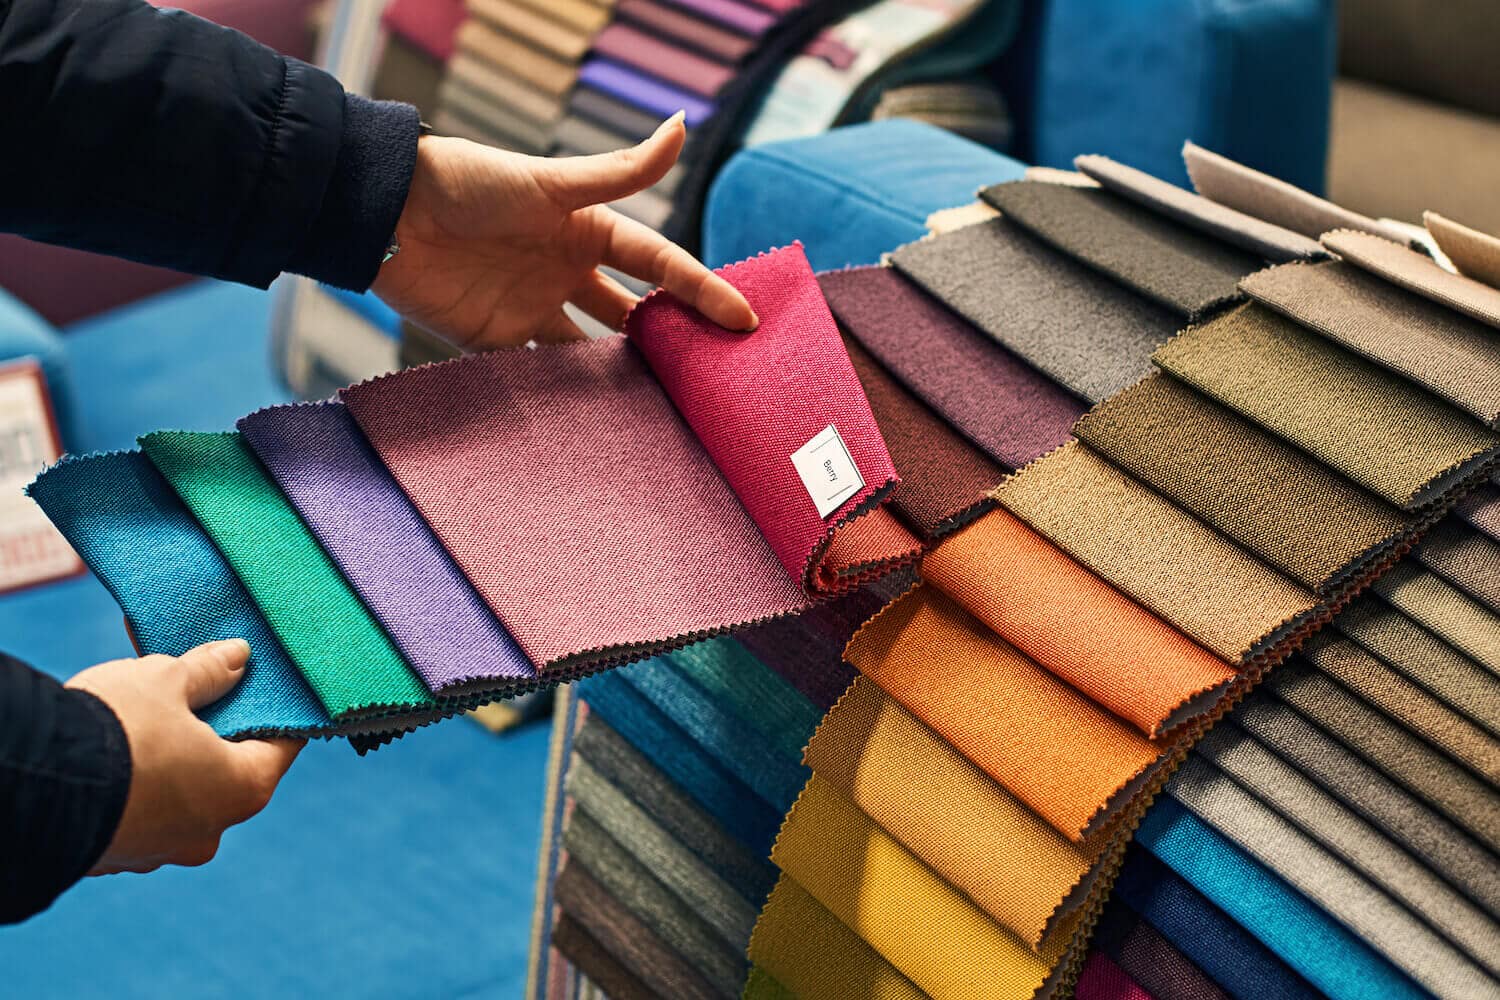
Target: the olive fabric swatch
(1253, 235)
(1447, 353)
(816, 956)
(1436, 840)
(999, 402)
(1148, 957)
(1468, 559)
(601, 968)
(1272, 498)
(1417, 273)
(1177, 267)
(761, 985)
(333, 639)
(1475, 254)
(1374, 427)
(1445, 610)
(1084, 331)
(1152, 550)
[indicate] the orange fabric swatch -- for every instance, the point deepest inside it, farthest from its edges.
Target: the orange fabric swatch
(1068, 759)
(1073, 623)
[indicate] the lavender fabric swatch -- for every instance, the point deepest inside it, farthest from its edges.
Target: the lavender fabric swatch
(635, 88)
(389, 555)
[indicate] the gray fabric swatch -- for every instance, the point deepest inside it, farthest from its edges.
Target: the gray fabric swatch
(1348, 896)
(1466, 558)
(1448, 850)
(1168, 263)
(1364, 848)
(1444, 610)
(1229, 225)
(1086, 332)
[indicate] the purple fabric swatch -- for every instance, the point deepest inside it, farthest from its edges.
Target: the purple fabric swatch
(642, 91)
(329, 472)
(741, 17)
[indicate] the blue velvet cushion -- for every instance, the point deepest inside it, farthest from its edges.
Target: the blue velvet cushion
(25, 334)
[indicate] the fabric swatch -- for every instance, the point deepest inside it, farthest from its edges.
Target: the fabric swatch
(520, 20)
(1149, 958)
(761, 985)
(1475, 254)
(881, 891)
(1228, 225)
(999, 402)
(333, 639)
(728, 673)
(1272, 498)
(1417, 273)
(1379, 430)
(810, 659)
(1084, 331)
(667, 21)
(632, 123)
(1164, 558)
(1080, 628)
(952, 815)
(1101, 979)
(652, 55)
(1444, 610)
(509, 54)
(1447, 353)
(1069, 760)
(644, 92)
(1468, 559)
(816, 956)
(742, 17)
(1482, 510)
(506, 93)
(324, 466)
(1179, 268)
(602, 968)
(174, 586)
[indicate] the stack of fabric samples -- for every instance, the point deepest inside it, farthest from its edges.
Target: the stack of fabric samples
(1259, 449)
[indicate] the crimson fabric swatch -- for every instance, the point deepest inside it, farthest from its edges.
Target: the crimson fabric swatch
(999, 402)
(1102, 979)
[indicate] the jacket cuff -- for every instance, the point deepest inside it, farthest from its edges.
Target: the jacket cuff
(347, 240)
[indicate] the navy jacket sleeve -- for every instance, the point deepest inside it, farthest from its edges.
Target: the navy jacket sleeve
(64, 779)
(160, 137)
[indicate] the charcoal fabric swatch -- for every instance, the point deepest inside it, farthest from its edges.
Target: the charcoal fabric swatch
(1152, 550)
(1451, 355)
(174, 586)
(731, 676)
(1240, 965)
(1149, 958)
(624, 766)
(1084, 331)
(1318, 947)
(1179, 268)
(1445, 610)
(1228, 225)
(999, 402)
(1403, 939)
(1272, 498)
(1441, 845)
(1468, 559)
(1475, 254)
(1374, 427)
(1417, 273)
(329, 634)
(324, 466)
(602, 969)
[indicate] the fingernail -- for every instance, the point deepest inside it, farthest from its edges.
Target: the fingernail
(679, 116)
(754, 324)
(238, 651)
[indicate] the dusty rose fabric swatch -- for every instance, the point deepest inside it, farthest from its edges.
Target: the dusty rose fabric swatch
(1417, 273)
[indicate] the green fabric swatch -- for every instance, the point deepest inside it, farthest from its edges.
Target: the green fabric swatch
(331, 637)
(753, 691)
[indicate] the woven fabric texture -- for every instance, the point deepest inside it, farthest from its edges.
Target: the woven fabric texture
(999, 402)
(1475, 254)
(1177, 267)
(952, 815)
(753, 401)
(1149, 958)
(1481, 509)
(761, 985)
(328, 633)
(816, 956)
(810, 659)
(1443, 609)
(602, 969)
(174, 586)
(1417, 272)
(734, 678)
(1272, 498)
(1468, 559)
(1068, 759)
(885, 894)
(1086, 332)
(1255, 236)
(323, 465)
(1102, 979)
(1080, 628)
(1379, 430)
(1158, 554)
(649, 54)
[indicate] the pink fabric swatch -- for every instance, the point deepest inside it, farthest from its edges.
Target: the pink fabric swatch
(428, 24)
(1102, 979)
(662, 59)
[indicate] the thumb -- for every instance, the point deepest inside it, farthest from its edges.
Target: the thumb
(261, 764)
(579, 181)
(211, 671)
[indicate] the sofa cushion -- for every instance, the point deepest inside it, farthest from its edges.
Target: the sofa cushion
(1443, 51)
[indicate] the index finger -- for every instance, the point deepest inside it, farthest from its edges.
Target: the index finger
(643, 253)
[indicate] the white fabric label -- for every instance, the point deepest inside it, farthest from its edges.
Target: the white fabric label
(31, 550)
(827, 470)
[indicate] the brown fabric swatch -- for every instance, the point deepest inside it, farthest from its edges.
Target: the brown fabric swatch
(502, 51)
(1168, 263)
(1169, 561)
(945, 480)
(1482, 510)
(1475, 254)
(1468, 559)
(1417, 273)
(1270, 497)
(580, 948)
(1381, 431)
(520, 20)
(1449, 354)
(1444, 610)
(516, 96)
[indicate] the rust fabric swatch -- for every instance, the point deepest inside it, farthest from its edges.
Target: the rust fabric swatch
(1083, 630)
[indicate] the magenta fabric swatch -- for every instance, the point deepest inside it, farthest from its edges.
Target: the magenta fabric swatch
(755, 399)
(662, 59)
(998, 401)
(1102, 979)
(742, 17)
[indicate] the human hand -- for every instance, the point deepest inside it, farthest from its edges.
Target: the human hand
(187, 786)
(493, 243)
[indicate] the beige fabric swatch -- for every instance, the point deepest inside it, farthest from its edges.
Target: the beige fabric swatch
(1445, 610)
(515, 95)
(1475, 254)
(523, 21)
(1467, 558)
(1417, 273)
(500, 51)
(945, 220)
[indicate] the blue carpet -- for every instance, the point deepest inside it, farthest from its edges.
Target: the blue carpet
(406, 873)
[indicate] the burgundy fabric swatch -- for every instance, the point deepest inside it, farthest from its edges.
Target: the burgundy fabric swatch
(668, 22)
(1001, 403)
(1102, 979)
(650, 54)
